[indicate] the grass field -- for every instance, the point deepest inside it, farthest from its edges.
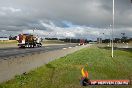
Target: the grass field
(8, 42)
(66, 71)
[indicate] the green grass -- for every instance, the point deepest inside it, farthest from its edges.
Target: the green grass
(65, 72)
(8, 42)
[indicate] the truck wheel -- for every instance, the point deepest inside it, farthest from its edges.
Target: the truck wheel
(26, 46)
(40, 45)
(37, 45)
(32, 46)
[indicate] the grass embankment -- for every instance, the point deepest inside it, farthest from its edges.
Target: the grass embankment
(8, 41)
(65, 72)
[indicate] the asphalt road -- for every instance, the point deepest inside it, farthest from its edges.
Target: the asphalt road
(9, 52)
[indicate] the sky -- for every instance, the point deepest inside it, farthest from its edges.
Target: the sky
(65, 18)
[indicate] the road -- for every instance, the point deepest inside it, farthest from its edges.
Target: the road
(15, 61)
(7, 52)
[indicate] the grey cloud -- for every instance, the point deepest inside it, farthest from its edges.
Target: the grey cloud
(18, 15)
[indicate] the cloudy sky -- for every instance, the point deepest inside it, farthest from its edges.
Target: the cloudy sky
(65, 18)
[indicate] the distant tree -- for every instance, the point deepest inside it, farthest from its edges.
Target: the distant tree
(117, 40)
(124, 38)
(51, 38)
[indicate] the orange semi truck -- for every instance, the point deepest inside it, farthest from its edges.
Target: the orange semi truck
(28, 40)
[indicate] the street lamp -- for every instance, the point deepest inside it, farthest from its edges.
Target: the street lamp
(69, 36)
(113, 27)
(101, 37)
(123, 37)
(34, 31)
(110, 34)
